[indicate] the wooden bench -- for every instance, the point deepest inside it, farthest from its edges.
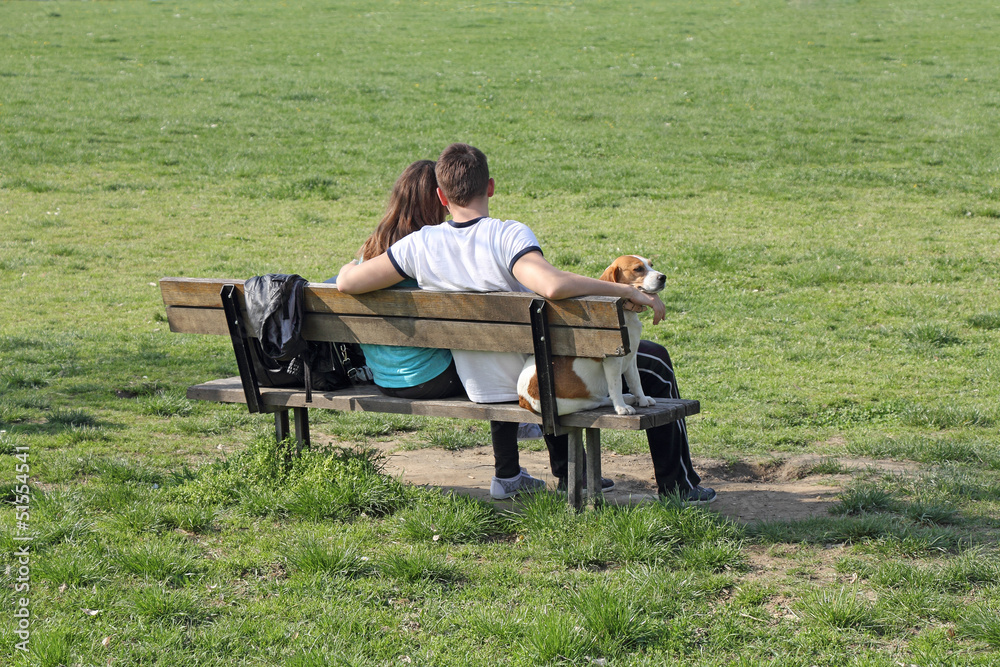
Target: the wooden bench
(500, 322)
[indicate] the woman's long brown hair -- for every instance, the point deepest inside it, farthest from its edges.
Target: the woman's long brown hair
(413, 204)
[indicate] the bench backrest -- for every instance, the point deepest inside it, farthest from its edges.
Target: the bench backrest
(493, 321)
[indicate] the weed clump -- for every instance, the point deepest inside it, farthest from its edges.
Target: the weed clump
(666, 534)
(450, 519)
(312, 555)
(988, 321)
(337, 483)
(842, 609)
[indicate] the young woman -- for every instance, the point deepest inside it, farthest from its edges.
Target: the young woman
(410, 372)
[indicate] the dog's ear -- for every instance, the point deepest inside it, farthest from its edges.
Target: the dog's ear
(611, 274)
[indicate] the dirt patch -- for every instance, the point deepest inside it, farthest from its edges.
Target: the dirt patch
(778, 488)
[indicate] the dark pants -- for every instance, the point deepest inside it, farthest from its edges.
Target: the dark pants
(444, 385)
(668, 444)
(506, 461)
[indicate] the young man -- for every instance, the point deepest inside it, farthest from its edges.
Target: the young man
(474, 252)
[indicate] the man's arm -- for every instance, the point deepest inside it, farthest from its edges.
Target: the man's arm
(534, 272)
(376, 273)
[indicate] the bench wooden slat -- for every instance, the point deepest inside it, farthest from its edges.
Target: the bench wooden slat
(368, 399)
(597, 312)
(453, 335)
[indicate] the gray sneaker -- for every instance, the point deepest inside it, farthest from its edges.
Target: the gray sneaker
(529, 432)
(699, 495)
(501, 489)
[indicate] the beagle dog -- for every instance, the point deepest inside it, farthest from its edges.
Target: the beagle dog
(584, 383)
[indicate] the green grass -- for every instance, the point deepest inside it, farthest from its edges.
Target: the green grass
(311, 555)
(819, 181)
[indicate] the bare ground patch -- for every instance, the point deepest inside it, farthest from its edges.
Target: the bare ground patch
(778, 488)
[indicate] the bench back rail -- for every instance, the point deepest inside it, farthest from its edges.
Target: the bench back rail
(496, 322)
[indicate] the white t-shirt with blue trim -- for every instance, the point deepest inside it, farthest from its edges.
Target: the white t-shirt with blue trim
(473, 256)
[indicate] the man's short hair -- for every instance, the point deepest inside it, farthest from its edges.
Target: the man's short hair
(462, 174)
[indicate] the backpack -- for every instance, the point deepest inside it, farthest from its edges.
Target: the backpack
(280, 356)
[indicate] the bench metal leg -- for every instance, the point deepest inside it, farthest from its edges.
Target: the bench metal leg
(301, 428)
(574, 472)
(281, 429)
(594, 466)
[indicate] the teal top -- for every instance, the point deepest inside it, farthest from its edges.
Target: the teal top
(397, 367)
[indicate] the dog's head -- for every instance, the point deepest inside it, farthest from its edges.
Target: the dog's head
(636, 271)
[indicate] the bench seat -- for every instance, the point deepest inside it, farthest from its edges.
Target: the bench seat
(369, 399)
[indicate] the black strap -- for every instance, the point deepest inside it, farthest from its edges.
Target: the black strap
(307, 374)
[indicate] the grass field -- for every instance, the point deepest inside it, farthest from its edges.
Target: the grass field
(819, 180)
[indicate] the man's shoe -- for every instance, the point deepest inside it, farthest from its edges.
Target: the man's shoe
(606, 484)
(699, 495)
(501, 489)
(529, 432)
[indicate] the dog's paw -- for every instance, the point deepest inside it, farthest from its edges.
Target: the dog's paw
(646, 402)
(628, 399)
(625, 409)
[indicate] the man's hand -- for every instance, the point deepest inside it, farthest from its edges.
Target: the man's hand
(640, 301)
(534, 272)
